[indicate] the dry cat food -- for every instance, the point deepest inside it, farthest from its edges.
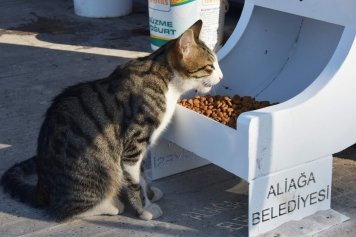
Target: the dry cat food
(223, 109)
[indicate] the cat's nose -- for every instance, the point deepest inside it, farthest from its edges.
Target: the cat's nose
(221, 76)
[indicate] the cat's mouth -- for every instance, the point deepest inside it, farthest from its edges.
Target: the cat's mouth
(208, 85)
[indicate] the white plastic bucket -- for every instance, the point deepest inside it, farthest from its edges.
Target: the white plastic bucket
(102, 8)
(170, 18)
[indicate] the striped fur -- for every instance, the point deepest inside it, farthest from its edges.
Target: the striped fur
(95, 134)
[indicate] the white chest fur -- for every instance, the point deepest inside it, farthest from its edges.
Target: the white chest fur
(172, 95)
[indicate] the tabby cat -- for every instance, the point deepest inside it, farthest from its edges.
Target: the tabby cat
(95, 134)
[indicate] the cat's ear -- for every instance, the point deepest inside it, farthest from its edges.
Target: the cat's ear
(196, 28)
(185, 42)
(187, 39)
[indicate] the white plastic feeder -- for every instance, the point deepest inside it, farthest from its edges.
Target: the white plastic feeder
(102, 8)
(302, 54)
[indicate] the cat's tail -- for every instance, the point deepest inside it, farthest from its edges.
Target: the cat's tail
(13, 181)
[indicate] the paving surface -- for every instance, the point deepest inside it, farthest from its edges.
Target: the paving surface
(45, 47)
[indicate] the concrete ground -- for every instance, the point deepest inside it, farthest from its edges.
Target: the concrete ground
(45, 47)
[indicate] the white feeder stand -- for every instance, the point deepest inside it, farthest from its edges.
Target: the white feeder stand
(301, 54)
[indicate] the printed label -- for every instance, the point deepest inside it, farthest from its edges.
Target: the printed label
(210, 2)
(161, 27)
(160, 5)
(168, 158)
(169, 19)
(294, 204)
(176, 3)
(289, 195)
(210, 32)
(173, 159)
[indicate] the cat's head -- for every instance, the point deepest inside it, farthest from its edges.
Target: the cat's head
(195, 63)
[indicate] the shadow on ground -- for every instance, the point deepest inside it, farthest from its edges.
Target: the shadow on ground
(58, 24)
(348, 153)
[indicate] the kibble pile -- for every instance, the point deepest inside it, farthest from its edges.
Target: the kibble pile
(223, 109)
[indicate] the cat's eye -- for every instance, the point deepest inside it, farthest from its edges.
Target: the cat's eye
(211, 66)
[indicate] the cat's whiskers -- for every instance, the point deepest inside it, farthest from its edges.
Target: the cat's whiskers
(213, 89)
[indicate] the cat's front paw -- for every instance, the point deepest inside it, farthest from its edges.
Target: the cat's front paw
(153, 211)
(157, 194)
